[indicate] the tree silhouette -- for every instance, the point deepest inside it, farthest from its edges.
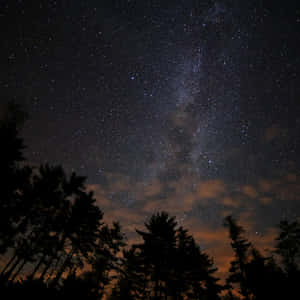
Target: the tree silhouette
(258, 277)
(80, 231)
(288, 245)
(240, 246)
(50, 223)
(133, 277)
(265, 278)
(288, 248)
(168, 263)
(157, 250)
(104, 260)
(45, 212)
(12, 175)
(78, 287)
(194, 270)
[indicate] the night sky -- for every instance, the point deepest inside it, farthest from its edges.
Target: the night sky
(188, 106)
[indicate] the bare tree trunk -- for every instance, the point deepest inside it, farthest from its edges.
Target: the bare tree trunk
(46, 269)
(37, 267)
(63, 267)
(61, 245)
(10, 271)
(8, 264)
(7, 274)
(53, 269)
(19, 270)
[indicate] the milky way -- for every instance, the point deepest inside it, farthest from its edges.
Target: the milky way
(189, 106)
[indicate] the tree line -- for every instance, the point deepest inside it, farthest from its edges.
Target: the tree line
(54, 243)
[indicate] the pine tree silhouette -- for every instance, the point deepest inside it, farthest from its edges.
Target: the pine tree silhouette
(167, 264)
(288, 249)
(240, 246)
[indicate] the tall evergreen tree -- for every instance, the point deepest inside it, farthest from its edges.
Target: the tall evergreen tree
(288, 249)
(288, 245)
(265, 278)
(157, 249)
(12, 175)
(169, 263)
(241, 247)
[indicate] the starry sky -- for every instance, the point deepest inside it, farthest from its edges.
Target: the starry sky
(188, 106)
